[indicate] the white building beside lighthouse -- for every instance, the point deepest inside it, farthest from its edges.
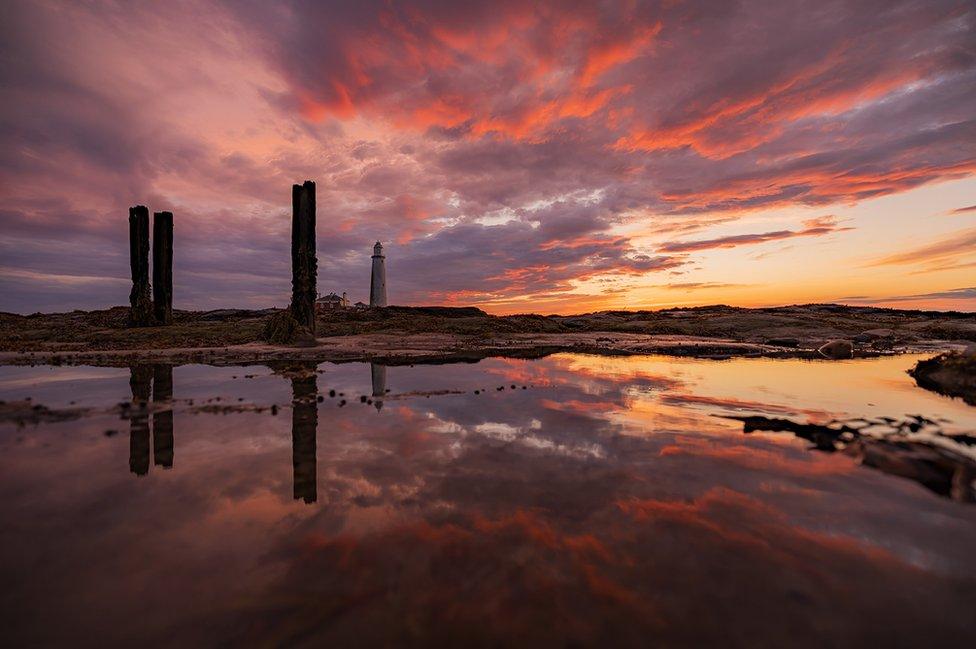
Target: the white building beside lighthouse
(377, 285)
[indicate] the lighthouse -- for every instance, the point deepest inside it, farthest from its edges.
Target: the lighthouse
(377, 285)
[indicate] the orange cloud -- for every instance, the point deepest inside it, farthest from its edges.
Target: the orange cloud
(959, 244)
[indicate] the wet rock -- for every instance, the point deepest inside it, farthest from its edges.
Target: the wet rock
(24, 412)
(837, 349)
(784, 342)
(952, 374)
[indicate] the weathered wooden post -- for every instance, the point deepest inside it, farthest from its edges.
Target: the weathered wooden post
(303, 261)
(162, 275)
(140, 302)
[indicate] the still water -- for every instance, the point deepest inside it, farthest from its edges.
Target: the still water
(572, 500)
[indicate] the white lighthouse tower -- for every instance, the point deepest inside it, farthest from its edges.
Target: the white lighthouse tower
(377, 285)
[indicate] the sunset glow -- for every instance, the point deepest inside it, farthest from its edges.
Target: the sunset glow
(554, 157)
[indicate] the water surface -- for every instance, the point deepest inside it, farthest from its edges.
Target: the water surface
(568, 500)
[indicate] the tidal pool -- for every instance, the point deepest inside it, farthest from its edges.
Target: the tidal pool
(571, 500)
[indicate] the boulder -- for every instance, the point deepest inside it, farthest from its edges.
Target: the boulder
(952, 374)
(837, 349)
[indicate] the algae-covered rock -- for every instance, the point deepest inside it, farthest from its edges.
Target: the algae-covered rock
(283, 329)
(952, 374)
(837, 349)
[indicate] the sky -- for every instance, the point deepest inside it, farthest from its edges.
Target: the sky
(552, 157)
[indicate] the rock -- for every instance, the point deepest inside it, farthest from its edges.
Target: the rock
(784, 342)
(878, 333)
(837, 349)
(872, 335)
(951, 374)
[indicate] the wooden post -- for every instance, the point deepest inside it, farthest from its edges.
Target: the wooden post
(140, 302)
(303, 261)
(162, 276)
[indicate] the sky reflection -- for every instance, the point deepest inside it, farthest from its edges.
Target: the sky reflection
(603, 503)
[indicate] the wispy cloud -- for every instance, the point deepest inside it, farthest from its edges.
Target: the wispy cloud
(812, 228)
(698, 286)
(957, 245)
(968, 293)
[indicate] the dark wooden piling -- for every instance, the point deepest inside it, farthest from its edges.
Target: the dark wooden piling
(140, 301)
(303, 261)
(162, 271)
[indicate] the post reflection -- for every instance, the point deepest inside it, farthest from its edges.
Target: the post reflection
(162, 425)
(304, 420)
(140, 383)
(155, 383)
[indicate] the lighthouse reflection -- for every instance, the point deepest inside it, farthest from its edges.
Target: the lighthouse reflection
(378, 374)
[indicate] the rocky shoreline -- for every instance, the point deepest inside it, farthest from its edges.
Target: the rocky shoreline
(403, 335)
(446, 348)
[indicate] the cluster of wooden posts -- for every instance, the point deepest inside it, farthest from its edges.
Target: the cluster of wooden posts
(154, 306)
(145, 309)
